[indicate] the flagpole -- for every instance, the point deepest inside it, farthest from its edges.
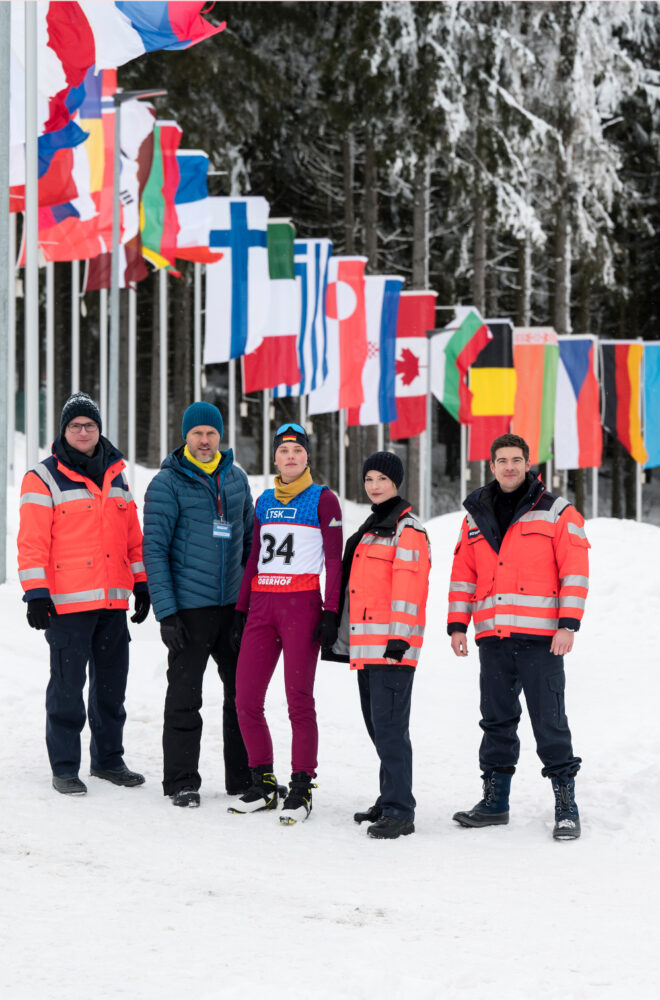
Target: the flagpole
(380, 437)
(11, 351)
(50, 353)
(425, 485)
(342, 456)
(463, 460)
(75, 326)
(594, 491)
(232, 404)
(162, 303)
(132, 379)
(303, 410)
(103, 356)
(265, 418)
(197, 351)
(31, 241)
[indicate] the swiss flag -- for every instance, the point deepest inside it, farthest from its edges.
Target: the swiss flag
(416, 316)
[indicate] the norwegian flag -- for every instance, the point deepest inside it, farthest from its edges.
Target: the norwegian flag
(416, 316)
(378, 375)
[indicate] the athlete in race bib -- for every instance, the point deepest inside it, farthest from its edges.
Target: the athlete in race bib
(297, 529)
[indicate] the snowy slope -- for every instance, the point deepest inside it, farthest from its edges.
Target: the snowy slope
(120, 895)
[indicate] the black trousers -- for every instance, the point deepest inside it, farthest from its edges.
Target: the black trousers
(385, 695)
(209, 630)
(101, 639)
(509, 666)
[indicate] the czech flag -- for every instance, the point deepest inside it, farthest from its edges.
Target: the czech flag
(578, 432)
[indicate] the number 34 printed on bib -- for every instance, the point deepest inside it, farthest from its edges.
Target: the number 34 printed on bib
(269, 551)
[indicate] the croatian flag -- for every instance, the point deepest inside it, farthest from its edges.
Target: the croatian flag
(193, 208)
(416, 317)
(238, 286)
(310, 264)
(347, 337)
(378, 375)
(578, 432)
(124, 31)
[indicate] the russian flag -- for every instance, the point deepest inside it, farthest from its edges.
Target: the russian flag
(378, 375)
(578, 432)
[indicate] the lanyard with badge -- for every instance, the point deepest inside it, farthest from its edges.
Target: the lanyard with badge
(221, 527)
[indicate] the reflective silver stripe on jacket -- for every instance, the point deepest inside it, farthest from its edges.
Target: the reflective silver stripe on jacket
(369, 628)
(37, 573)
(121, 494)
(461, 607)
(137, 567)
(407, 555)
(572, 602)
(573, 580)
(552, 515)
(376, 540)
(80, 597)
(575, 529)
(378, 653)
(521, 622)
(471, 523)
(405, 607)
(119, 593)
(463, 586)
(127, 491)
(519, 600)
(39, 498)
(60, 496)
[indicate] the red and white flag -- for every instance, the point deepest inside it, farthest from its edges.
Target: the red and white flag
(416, 316)
(345, 312)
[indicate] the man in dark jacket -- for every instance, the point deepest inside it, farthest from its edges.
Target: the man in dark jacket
(198, 520)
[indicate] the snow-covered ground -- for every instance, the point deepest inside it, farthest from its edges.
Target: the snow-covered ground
(118, 894)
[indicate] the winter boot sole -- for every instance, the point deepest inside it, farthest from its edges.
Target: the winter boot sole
(567, 829)
(289, 817)
(477, 819)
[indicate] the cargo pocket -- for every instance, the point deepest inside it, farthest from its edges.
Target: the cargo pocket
(557, 685)
(58, 643)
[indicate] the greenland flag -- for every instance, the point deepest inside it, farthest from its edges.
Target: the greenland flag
(378, 375)
(345, 312)
(578, 431)
(416, 317)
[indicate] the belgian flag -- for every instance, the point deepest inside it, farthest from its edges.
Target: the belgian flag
(493, 387)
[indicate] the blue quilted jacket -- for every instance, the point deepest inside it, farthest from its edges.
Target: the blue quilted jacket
(186, 566)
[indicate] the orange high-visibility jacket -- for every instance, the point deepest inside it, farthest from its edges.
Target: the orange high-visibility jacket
(387, 590)
(535, 582)
(77, 544)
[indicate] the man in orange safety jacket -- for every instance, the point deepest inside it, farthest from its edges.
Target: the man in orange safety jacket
(79, 558)
(521, 575)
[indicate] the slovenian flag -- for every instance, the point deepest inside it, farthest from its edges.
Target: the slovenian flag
(382, 294)
(416, 317)
(578, 432)
(621, 369)
(193, 208)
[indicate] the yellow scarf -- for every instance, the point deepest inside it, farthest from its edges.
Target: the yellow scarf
(287, 491)
(207, 467)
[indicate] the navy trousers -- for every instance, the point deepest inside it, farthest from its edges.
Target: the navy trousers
(509, 666)
(101, 639)
(208, 630)
(385, 695)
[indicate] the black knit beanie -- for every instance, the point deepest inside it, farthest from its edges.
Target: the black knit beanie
(79, 405)
(386, 462)
(291, 434)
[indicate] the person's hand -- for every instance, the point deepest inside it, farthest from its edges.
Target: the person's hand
(142, 605)
(327, 629)
(39, 612)
(236, 631)
(174, 634)
(459, 643)
(562, 642)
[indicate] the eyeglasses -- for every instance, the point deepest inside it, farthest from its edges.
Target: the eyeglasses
(290, 427)
(79, 428)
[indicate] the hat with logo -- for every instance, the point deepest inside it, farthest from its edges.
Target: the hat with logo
(291, 434)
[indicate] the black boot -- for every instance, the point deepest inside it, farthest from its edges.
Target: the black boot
(370, 815)
(69, 786)
(389, 828)
(120, 776)
(298, 803)
(187, 798)
(493, 809)
(567, 817)
(263, 793)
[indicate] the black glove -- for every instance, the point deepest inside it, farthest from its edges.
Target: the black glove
(396, 648)
(38, 611)
(142, 605)
(326, 630)
(236, 632)
(174, 634)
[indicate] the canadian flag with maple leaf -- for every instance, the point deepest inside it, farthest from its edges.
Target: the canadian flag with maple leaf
(416, 316)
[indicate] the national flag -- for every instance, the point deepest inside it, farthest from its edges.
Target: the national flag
(453, 350)
(535, 358)
(621, 367)
(124, 31)
(578, 433)
(159, 225)
(193, 208)
(416, 317)
(651, 407)
(238, 286)
(347, 337)
(275, 361)
(310, 263)
(382, 294)
(493, 385)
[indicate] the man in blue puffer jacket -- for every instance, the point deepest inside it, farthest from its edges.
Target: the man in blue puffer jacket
(198, 520)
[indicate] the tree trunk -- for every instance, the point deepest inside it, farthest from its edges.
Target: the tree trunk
(420, 280)
(349, 205)
(370, 205)
(524, 282)
(562, 302)
(479, 272)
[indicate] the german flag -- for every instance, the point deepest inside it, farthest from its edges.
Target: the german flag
(622, 394)
(493, 386)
